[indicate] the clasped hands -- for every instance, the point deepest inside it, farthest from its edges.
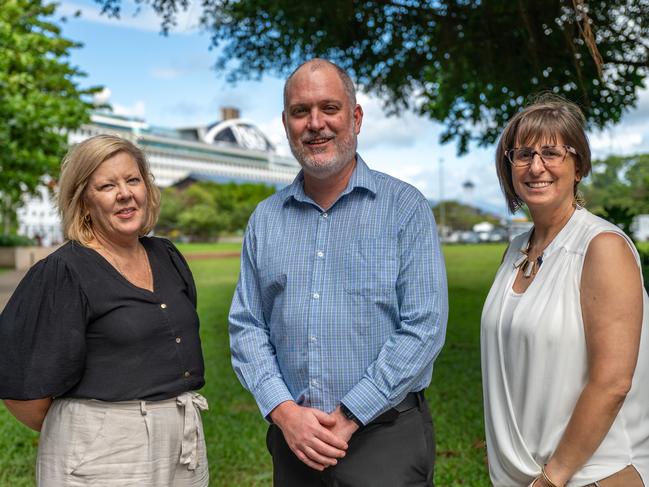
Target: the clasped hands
(318, 439)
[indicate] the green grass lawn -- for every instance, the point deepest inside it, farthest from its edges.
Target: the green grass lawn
(455, 394)
(204, 248)
(234, 428)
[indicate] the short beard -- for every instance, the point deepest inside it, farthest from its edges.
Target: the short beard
(345, 152)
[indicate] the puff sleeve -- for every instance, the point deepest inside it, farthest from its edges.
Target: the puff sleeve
(42, 333)
(182, 268)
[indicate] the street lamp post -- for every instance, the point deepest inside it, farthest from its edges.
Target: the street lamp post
(442, 206)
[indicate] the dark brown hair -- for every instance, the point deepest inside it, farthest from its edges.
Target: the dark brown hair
(548, 118)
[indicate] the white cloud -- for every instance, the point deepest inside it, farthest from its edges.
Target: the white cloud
(134, 17)
(138, 109)
(639, 114)
(102, 97)
(615, 141)
(165, 73)
(380, 129)
(407, 147)
(629, 136)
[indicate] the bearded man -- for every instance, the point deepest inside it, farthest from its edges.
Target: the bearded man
(341, 305)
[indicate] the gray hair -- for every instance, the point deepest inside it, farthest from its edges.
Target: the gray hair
(318, 63)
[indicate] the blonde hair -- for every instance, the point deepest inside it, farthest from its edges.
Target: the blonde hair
(547, 118)
(78, 165)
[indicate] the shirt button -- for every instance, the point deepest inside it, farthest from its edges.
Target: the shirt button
(316, 296)
(178, 340)
(325, 215)
(320, 254)
(163, 306)
(313, 339)
(186, 374)
(314, 383)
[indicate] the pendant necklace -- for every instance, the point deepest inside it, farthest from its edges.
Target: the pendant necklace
(149, 275)
(530, 267)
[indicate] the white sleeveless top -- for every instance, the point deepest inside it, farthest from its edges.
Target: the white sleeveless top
(534, 366)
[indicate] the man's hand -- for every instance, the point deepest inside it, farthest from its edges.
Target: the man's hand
(307, 432)
(343, 428)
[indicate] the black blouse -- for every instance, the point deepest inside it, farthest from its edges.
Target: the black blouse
(75, 327)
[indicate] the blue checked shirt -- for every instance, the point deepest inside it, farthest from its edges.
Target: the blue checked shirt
(345, 305)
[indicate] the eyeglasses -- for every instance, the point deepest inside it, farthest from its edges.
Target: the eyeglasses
(551, 155)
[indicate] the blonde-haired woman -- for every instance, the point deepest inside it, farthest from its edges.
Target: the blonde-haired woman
(99, 344)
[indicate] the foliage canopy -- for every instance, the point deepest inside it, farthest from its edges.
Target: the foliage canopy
(459, 216)
(39, 98)
(204, 210)
(618, 188)
(470, 64)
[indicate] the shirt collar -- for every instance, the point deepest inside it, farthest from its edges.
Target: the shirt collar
(362, 177)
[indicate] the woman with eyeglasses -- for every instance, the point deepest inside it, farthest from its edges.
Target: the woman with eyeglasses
(565, 327)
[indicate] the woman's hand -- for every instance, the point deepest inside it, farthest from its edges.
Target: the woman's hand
(30, 413)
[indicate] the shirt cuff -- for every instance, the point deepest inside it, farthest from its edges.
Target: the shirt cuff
(366, 401)
(272, 394)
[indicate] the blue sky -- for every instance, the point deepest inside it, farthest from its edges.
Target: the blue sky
(170, 81)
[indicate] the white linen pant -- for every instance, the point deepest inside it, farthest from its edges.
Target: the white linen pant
(85, 442)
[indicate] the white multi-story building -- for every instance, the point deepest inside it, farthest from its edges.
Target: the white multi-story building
(39, 219)
(640, 227)
(230, 150)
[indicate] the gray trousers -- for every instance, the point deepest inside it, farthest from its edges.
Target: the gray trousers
(135, 443)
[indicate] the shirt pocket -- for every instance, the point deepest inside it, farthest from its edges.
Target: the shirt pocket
(371, 267)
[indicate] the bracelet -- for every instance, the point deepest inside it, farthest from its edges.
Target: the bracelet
(546, 479)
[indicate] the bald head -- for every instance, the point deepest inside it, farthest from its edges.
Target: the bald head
(316, 64)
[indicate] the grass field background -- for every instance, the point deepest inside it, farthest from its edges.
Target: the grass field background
(234, 428)
(190, 249)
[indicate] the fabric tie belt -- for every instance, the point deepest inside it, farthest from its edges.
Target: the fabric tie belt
(193, 403)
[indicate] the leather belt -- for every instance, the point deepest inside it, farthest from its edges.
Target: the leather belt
(412, 400)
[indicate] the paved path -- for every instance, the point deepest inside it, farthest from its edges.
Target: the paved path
(8, 282)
